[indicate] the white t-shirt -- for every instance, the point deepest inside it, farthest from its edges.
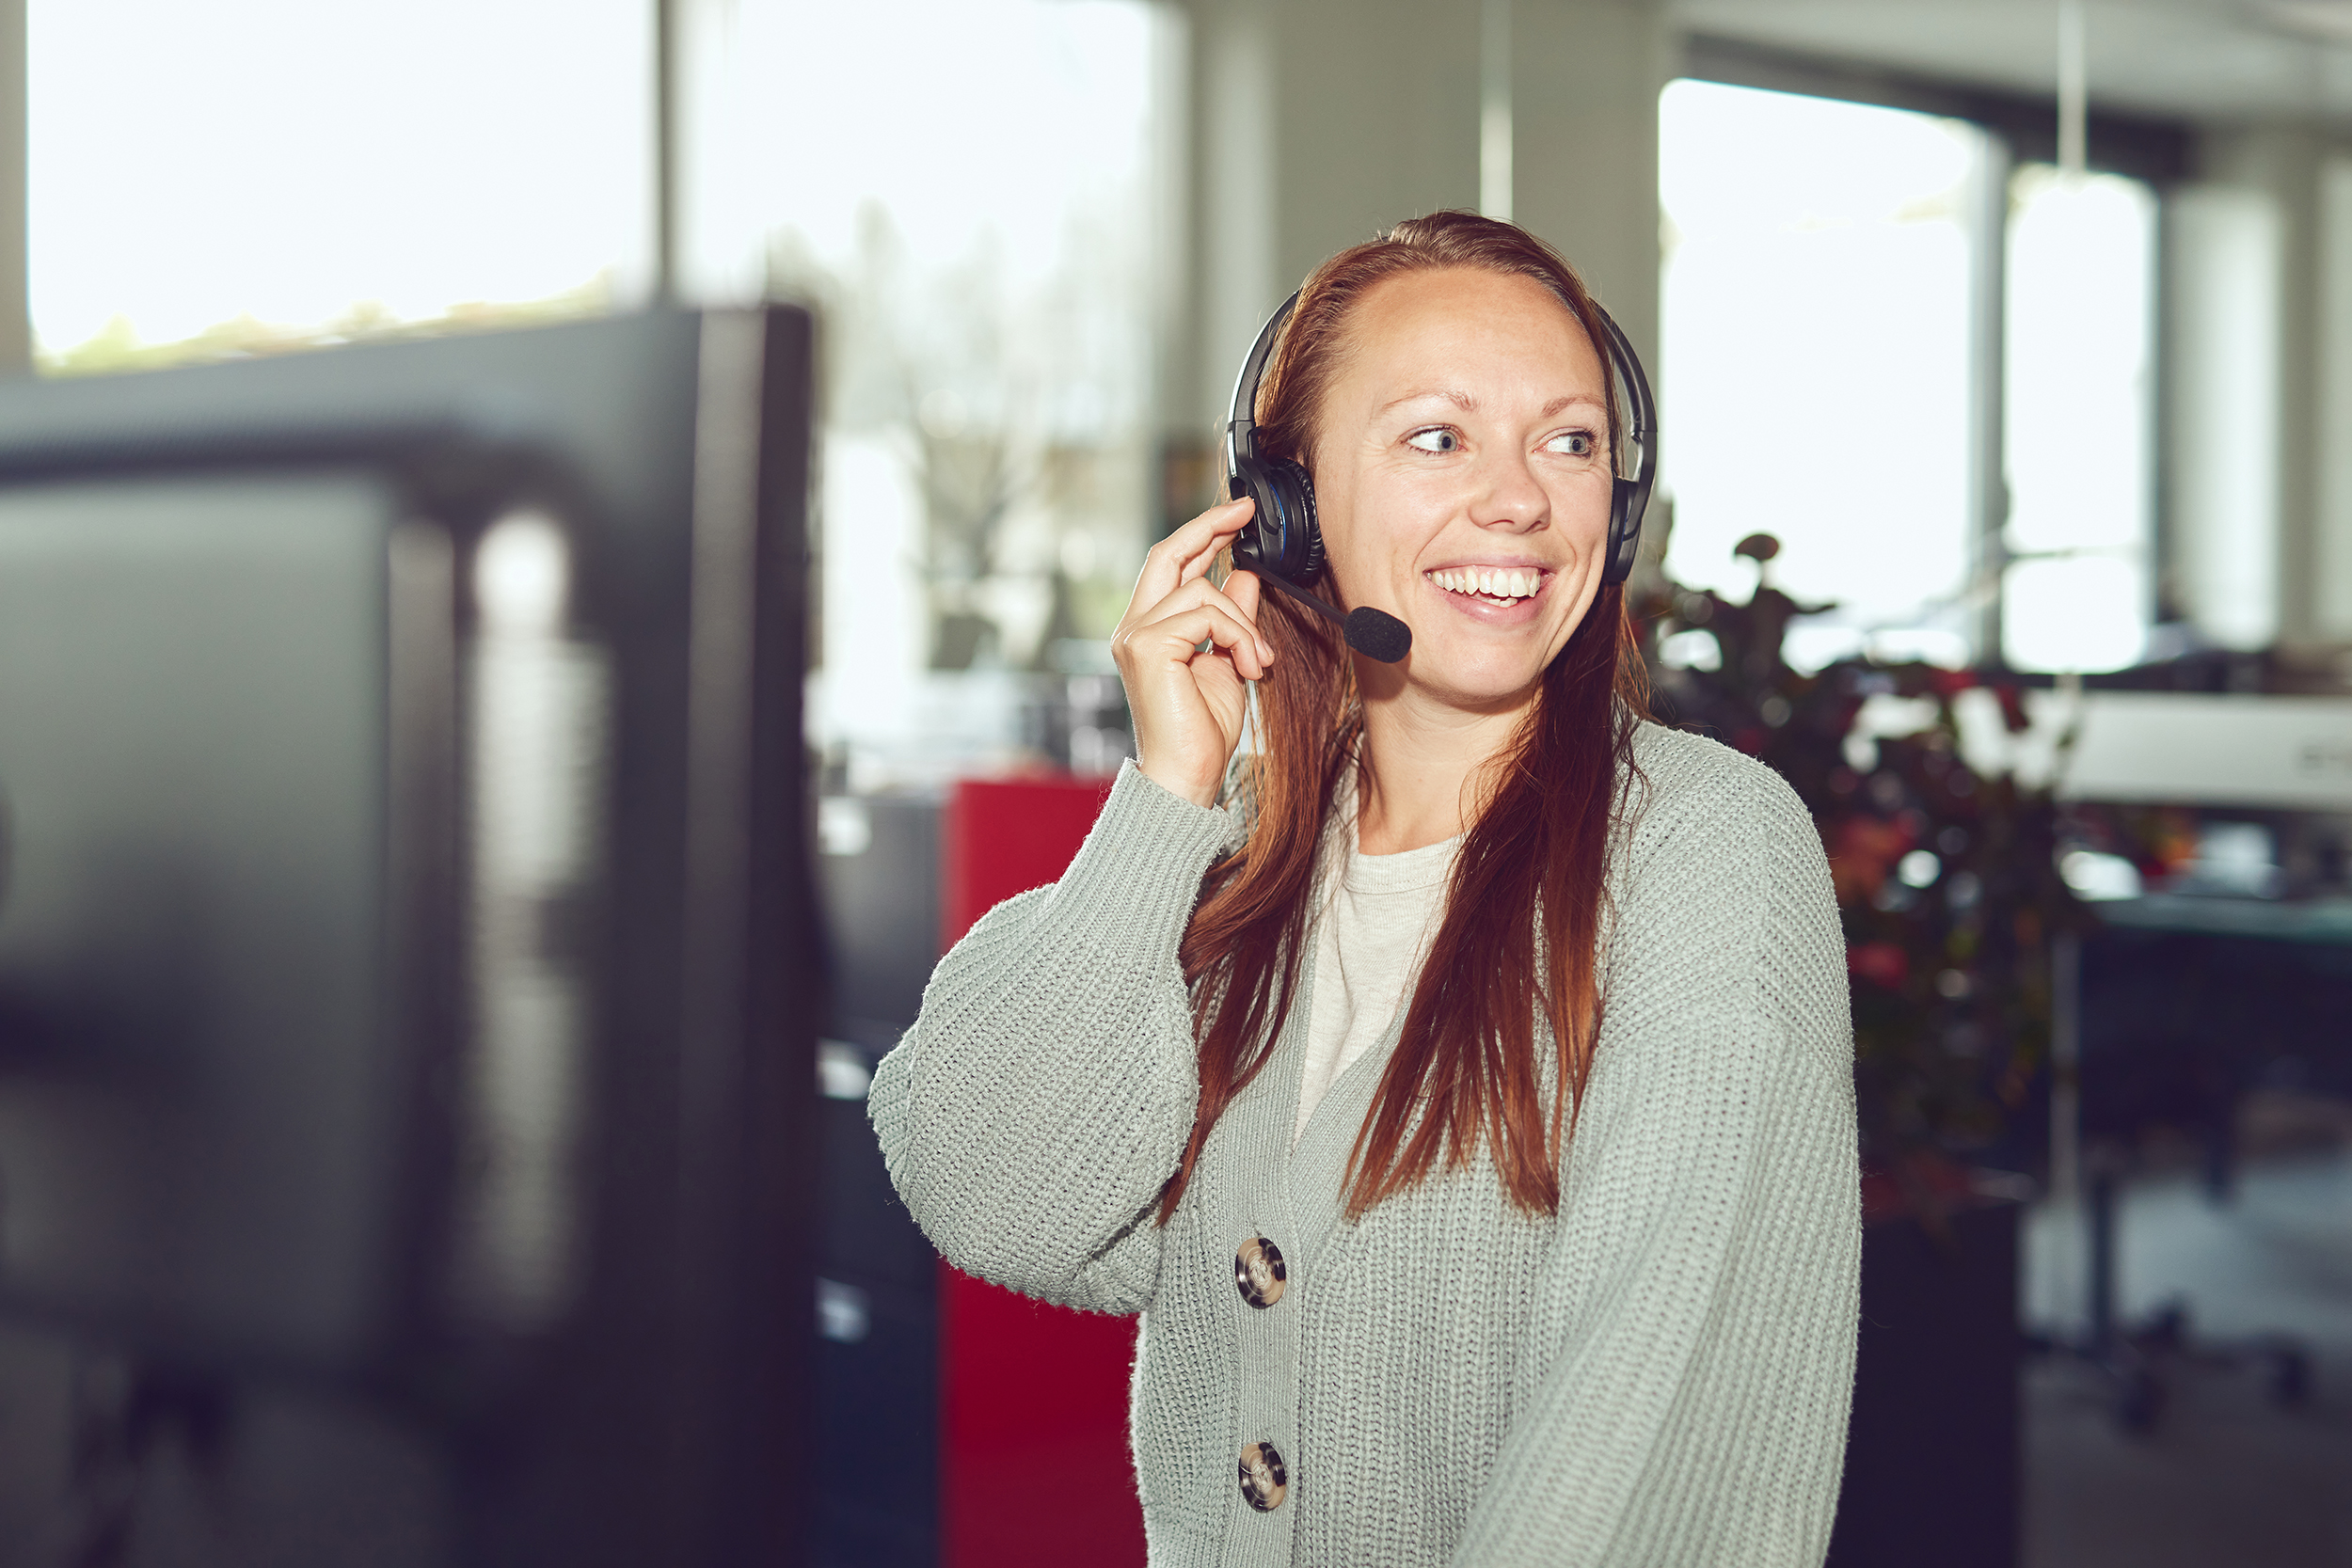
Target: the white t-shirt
(1380, 915)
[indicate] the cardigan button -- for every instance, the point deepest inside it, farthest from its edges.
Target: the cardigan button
(1259, 1272)
(1263, 1480)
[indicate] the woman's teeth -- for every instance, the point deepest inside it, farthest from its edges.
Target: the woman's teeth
(1496, 582)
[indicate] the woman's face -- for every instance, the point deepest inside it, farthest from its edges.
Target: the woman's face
(1463, 478)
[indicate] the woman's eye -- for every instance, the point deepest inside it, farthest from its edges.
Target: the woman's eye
(1437, 438)
(1573, 443)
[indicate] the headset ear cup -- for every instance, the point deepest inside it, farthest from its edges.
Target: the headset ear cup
(1255, 546)
(1625, 532)
(1302, 550)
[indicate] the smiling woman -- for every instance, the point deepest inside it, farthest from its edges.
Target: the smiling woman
(1511, 1027)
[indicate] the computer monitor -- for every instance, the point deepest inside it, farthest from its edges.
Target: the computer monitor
(407, 975)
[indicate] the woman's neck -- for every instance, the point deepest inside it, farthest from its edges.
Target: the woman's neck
(1423, 766)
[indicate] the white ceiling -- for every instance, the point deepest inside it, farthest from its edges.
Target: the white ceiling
(2203, 59)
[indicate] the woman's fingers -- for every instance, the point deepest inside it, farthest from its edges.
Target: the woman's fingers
(1176, 637)
(1200, 591)
(1187, 704)
(1187, 553)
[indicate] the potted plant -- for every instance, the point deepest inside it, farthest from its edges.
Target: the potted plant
(1948, 892)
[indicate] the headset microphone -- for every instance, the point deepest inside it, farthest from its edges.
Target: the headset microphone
(1283, 544)
(1374, 633)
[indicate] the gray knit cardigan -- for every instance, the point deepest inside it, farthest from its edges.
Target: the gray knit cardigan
(1657, 1375)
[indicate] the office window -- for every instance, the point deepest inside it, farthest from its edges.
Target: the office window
(1816, 368)
(989, 302)
(976, 195)
(211, 179)
(1835, 281)
(2079, 403)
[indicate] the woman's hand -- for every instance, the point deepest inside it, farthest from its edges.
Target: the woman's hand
(1189, 705)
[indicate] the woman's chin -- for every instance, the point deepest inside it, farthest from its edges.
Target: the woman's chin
(1484, 683)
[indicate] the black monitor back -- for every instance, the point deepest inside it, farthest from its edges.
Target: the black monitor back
(404, 945)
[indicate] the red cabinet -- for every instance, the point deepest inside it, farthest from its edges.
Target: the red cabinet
(1034, 1463)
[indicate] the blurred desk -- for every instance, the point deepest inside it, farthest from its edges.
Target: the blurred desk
(2231, 968)
(2187, 1002)
(2326, 921)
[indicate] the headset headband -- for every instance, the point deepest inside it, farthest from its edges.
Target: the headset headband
(1642, 412)
(1242, 429)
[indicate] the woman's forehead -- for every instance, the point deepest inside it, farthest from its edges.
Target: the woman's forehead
(1447, 333)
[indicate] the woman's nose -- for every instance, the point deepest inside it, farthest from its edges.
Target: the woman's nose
(1508, 496)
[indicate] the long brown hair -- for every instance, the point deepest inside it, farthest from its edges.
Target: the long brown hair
(1525, 907)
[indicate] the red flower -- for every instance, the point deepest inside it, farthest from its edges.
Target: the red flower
(1861, 852)
(2012, 709)
(1882, 963)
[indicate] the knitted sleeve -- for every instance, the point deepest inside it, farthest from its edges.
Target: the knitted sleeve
(1684, 1397)
(1032, 1115)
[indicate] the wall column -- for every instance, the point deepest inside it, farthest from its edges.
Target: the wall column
(2332, 543)
(1586, 78)
(16, 328)
(1316, 122)
(2255, 540)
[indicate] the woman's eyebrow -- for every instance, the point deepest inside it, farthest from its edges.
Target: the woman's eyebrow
(1460, 399)
(1469, 405)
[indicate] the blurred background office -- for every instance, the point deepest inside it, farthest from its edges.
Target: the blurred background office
(2005, 356)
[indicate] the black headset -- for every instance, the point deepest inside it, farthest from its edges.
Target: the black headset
(1283, 544)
